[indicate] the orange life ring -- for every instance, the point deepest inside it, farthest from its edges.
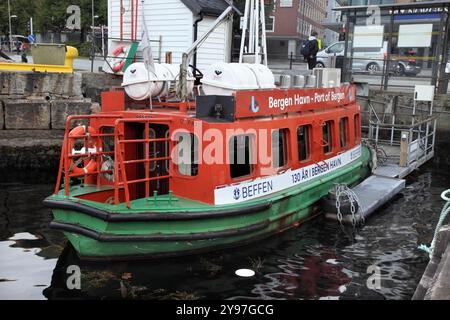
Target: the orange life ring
(119, 62)
(89, 165)
(119, 50)
(118, 66)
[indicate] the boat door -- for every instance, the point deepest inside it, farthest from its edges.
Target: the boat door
(147, 157)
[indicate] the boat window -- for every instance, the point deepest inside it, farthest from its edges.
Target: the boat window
(343, 125)
(357, 128)
(240, 156)
(303, 133)
(327, 130)
(279, 148)
(187, 154)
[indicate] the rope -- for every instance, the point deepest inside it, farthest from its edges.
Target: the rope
(445, 211)
(357, 217)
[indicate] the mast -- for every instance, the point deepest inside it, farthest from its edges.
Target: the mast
(257, 43)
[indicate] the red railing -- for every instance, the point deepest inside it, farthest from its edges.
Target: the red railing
(67, 157)
(120, 179)
(120, 174)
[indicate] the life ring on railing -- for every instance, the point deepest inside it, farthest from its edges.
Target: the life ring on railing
(82, 166)
(118, 62)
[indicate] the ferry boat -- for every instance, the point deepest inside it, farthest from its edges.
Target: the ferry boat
(221, 164)
(194, 176)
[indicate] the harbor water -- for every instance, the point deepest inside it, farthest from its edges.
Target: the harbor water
(317, 260)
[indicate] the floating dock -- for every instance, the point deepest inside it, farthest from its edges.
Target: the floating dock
(400, 143)
(372, 193)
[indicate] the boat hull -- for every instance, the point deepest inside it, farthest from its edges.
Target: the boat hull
(104, 233)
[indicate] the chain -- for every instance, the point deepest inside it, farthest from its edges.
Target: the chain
(338, 203)
(343, 191)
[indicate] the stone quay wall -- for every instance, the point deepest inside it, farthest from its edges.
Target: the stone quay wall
(33, 112)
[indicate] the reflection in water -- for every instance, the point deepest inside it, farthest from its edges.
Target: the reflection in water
(24, 266)
(318, 260)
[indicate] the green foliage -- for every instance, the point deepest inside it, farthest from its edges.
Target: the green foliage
(49, 15)
(84, 48)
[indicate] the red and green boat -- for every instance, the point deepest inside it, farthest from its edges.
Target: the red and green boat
(217, 171)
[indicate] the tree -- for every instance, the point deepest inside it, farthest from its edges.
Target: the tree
(49, 15)
(23, 9)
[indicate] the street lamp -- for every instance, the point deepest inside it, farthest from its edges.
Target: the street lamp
(10, 33)
(9, 19)
(93, 36)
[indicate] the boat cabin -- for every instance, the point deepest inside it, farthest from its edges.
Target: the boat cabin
(218, 150)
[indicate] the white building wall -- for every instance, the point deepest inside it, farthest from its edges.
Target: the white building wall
(216, 47)
(170, 19)
(173, 21)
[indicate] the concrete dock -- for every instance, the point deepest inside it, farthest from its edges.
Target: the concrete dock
(435, 282)
(33, 112)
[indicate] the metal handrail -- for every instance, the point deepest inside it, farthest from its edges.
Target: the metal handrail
(120, 163)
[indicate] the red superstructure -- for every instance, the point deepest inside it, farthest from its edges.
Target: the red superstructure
(135, 150)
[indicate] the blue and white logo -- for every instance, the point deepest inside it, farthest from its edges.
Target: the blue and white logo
(236, 194)
(254, 106)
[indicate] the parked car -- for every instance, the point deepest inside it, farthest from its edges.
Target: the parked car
(406, 64)
(370, 59)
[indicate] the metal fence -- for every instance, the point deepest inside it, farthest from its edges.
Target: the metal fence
(390, 131)
(396, 19)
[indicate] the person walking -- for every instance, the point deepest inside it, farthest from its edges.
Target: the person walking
(309, 50)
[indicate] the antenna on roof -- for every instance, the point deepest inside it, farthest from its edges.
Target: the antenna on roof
(255, 14)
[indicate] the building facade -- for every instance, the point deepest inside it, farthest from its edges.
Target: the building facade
(332, 17)
(173, 26)
(290, 23)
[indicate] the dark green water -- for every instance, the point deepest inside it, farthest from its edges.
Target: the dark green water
(317, 260)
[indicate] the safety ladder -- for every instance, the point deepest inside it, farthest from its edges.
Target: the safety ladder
(120, 179)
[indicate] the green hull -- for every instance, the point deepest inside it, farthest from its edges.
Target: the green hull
(179, 226)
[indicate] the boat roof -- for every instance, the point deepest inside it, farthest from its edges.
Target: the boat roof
(209, 7)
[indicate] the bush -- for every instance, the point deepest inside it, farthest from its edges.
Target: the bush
(84, 49)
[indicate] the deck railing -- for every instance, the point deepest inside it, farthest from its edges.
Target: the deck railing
(415, 140)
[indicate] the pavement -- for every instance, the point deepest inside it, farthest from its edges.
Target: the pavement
(279, 67)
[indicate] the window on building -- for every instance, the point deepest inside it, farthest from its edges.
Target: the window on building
(327, 133)
(270, 24)
(343, 129)
(357, 124)
(187, 154)
(286, 3)
(240, 151)
(279, 148)
(303, 142)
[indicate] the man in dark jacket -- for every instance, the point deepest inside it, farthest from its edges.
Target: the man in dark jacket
(310, 49)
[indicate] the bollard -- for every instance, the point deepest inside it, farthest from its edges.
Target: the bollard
(285, 81)
(299, 81)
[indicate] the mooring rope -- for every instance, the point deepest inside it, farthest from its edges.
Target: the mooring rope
(445, 211)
